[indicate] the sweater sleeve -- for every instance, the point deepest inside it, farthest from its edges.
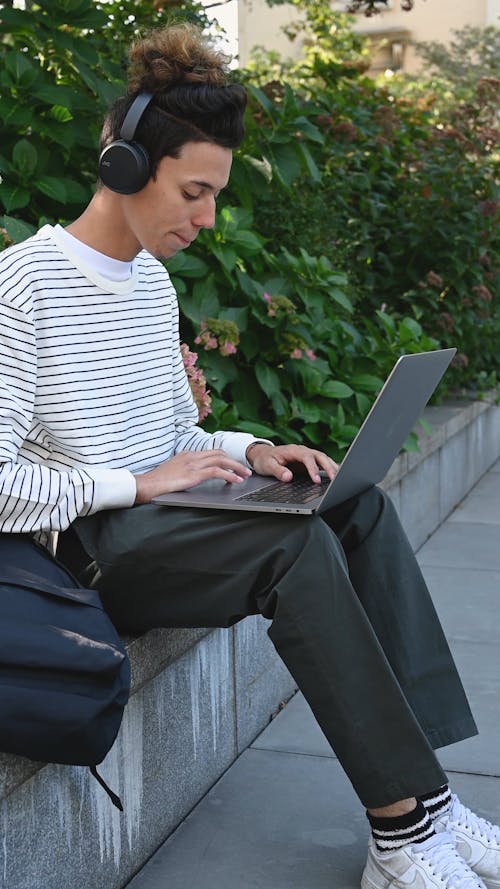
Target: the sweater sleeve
(35, 497)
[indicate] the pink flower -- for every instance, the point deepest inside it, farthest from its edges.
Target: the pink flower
(267, 297)
(189, 358)
(483, 293)
(434, 280)
(311, 355)
(206, 340)
(297, 353)
(228, 349)
(197, 382)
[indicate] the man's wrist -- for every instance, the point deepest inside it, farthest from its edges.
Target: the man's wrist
(144, 492)
(253, 445)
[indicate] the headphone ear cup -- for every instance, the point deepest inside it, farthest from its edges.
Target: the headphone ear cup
(124, 167)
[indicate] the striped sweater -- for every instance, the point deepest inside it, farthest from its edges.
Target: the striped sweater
(92, 385)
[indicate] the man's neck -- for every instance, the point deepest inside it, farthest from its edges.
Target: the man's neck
(102, 227)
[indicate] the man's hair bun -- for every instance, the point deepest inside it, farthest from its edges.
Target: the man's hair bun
(179, 54)
(193, 96)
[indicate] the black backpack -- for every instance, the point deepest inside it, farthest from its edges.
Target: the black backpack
(64, 672)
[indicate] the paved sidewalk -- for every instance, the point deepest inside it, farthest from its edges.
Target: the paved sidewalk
(284, 815)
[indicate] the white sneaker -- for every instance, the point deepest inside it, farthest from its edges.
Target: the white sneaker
(477, 840)
(433, 864)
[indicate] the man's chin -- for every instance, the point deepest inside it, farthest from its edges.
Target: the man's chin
(166, 254)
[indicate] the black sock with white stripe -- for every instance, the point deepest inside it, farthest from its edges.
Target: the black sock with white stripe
(438, 802)
(394, 833)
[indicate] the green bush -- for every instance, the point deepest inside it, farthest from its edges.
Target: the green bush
(62, 64)
(49, 90)
(342, 215)
(300, 367)
(408, 202)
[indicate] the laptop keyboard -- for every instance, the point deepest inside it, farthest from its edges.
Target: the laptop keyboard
(299, 491)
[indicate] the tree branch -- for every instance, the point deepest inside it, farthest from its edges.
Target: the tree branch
(372, 7)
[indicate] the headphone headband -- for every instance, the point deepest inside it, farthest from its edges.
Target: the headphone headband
(134, 115)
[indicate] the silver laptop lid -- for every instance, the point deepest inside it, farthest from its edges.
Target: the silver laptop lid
(391, 418)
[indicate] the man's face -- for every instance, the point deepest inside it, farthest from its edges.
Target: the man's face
(167, 215)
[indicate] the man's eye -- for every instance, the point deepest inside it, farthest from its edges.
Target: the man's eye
(191, 197)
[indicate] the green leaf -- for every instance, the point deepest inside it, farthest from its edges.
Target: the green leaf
(267, 378)
(341, 299)
(363, 404)
(411, 444)
(311, 130)
(261, 98)
(24, 157)
(226, 256)
(13, 197)
(180, 289)
(409, 329)
(20, 68)
(219, 371)
(257, 429)
(187, 265)
(230, 221)
(61, 113)
(426, 426)
(76, 193)
(386, 321)
(56, 95)
(13, 20)
(366, 382)
(52, 187)
(335, 389)
(237, 314)
(205, 295)
(280, 404)
(14, 114)
(313, 433)
(61, 133)
(248, 241)
(309, 161)
(286, 163)
(306, 410)
(16, 229)
(105, 91)
(247, 395)
(92, 19)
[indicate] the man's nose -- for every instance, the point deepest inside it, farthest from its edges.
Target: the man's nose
(205, 215)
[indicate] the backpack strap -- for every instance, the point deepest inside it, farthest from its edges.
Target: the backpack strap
(113, 797)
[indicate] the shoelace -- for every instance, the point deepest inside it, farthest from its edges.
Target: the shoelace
(461, 815)
(440, 852)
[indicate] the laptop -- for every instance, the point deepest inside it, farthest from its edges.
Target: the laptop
(380, 438)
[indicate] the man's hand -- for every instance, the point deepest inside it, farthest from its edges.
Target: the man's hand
(186, 470)
(268, 460)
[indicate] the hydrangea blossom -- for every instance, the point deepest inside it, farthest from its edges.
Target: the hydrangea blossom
(197, 382)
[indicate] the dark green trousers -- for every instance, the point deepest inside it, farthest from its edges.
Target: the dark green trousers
(350, 615)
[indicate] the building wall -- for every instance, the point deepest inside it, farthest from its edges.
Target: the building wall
(261, 25)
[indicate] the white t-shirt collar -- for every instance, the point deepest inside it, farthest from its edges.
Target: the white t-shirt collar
(105, 266)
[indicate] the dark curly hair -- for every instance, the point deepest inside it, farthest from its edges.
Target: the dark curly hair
(193, 100)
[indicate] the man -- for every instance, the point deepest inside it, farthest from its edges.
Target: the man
(97, 419)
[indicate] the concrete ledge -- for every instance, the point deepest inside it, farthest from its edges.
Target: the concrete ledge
(426, 486)
(199, 699)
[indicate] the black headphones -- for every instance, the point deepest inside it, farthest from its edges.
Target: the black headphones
(124, 165)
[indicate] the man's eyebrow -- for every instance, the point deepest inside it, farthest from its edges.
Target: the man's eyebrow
(207, 185)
